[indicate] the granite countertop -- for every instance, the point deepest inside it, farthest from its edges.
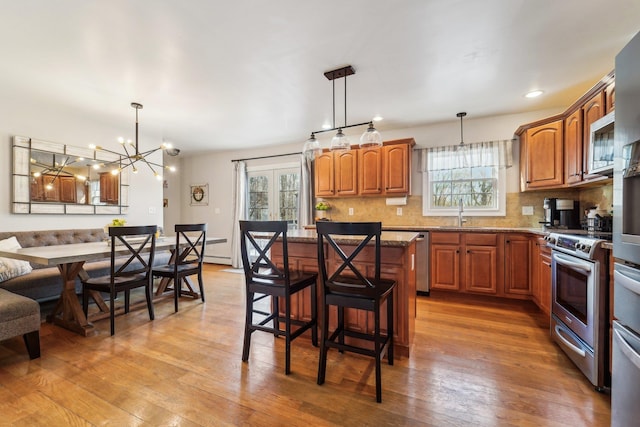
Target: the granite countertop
(468, 228)
(388, 238)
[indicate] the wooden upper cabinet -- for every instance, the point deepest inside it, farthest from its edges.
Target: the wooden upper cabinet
(592, 110)
(397, 169)
(573, 147)
(345, 165)
(610, 98)
(324, 180)
(370, 170)
(109, 190)
(68, 189)
(542, 156)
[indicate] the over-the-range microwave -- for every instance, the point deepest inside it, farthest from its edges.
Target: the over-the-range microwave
(601, 145)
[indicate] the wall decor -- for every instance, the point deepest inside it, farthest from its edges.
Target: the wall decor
(199, 195)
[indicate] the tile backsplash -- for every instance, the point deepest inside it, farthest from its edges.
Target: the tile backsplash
(376, 209)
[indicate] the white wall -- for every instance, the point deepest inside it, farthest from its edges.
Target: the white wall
(43, 119)
(216, 168)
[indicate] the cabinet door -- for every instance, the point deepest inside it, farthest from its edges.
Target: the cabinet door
(481, 269)
(109, 188)
(573, 147)
(445, 267)
(397, 167)
(610, 98)
(544, 156)
(517, 264)
(346, 172)
(68, 189)
(591, 111)
(51, 188)
(324, 184)
(370, 170)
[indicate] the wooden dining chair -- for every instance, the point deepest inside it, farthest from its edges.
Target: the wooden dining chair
(345, 284)
(186, 259)
(127, 271)
(264, 277)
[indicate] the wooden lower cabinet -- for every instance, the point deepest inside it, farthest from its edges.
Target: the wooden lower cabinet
(541, 274)
(497, 264)
(467, 262)
(517, 262)
(398, 263)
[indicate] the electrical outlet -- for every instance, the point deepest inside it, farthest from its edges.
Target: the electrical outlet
(527, 210)
(216, 211)
(152, 210)
(350, 211)
(399, 211)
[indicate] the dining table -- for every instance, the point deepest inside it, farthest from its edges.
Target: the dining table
(70, 260)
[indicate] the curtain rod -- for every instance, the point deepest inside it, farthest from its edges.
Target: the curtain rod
(265, 157)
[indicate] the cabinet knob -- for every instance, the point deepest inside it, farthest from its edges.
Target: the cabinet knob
(468, 251)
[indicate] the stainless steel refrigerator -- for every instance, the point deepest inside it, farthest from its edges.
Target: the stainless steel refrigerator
(625, 381)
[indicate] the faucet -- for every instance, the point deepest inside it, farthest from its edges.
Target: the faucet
(461, 220)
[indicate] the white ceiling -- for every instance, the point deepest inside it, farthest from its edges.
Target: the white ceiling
(218, 75)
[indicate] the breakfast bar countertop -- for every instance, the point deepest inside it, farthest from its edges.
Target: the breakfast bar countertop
(388, 238)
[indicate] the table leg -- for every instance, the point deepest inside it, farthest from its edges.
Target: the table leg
(68, 311)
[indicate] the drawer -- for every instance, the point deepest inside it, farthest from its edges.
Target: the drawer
(481, 239)
(446, 238)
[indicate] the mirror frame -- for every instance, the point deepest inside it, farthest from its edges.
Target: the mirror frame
(21, 197)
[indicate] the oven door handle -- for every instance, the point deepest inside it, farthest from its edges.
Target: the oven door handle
(566, 261)
(572, 346)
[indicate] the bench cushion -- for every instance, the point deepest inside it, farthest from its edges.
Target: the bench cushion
(18, 315)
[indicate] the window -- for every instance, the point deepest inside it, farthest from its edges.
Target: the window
(472, 175)
(273, 193)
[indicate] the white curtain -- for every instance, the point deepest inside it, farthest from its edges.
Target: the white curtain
(239, 210)
(491, 153)
(305, 196)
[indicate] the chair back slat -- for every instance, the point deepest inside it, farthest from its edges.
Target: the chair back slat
(192, 239)
(140, 242)
(253, 237)
(329, 239)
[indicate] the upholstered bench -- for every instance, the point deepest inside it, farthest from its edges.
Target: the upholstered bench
(20, 316)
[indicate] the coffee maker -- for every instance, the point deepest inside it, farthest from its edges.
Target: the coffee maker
(561, 213)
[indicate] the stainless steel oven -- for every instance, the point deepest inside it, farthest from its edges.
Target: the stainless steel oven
(579, 305)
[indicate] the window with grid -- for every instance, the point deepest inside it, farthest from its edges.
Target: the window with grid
(472, 176)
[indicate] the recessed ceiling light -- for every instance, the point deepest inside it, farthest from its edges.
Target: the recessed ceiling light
(534, 93)
(326, 126)
(377, 118)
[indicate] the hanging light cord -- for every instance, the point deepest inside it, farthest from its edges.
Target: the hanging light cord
(461, 115)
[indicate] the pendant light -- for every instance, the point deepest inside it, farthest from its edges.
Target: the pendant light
(461, 115)
(370, 138)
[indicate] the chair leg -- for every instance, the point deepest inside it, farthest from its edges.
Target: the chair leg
(390, 328)
(247, 326)
(287, 334)
(32, 342)
(201, 285)
(314, 316)
(85, 301)
(276, 318)
(177, 287)
(127, 299)
(341, 326)
(112, 312)
(322, 361)
(149, 294)
(378, 351)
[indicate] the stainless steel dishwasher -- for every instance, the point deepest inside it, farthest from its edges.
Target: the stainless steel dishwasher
(422, 263)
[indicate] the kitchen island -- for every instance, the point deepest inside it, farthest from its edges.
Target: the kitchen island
(398, 262)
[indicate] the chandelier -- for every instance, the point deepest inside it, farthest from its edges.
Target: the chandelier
(370, 138)
(133, 157)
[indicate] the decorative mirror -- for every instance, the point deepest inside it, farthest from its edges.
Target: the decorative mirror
(55, 178)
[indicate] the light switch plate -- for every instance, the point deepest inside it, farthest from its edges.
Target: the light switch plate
(399, 211)
(527, 210)
(350, 211)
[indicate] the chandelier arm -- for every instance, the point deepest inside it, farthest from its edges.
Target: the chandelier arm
(342, 127)
(345, 101)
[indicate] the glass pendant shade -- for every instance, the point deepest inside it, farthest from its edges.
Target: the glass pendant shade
(311, 148)
(371, 138)
(340, 142)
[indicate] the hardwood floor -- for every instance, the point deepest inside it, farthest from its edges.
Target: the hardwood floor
(484, 363)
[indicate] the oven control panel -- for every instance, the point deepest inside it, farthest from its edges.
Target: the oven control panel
(581, 246)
